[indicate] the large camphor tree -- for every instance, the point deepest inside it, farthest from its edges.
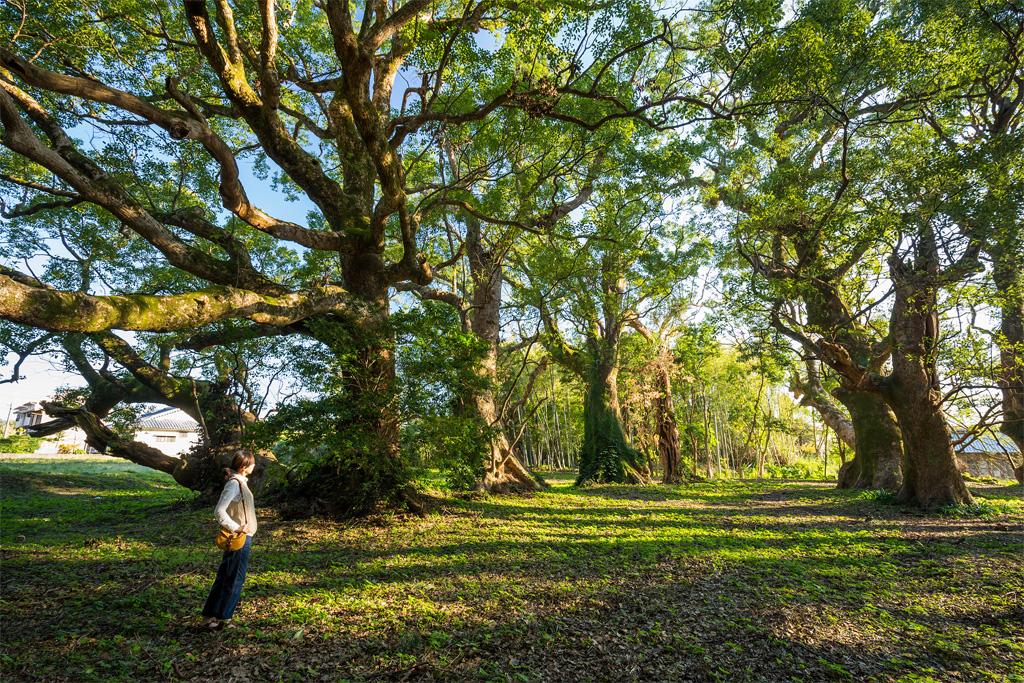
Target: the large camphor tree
(162, 121)
(978, 129)
(626, 259)
(846, 178)
(522, 176)
(789, 181)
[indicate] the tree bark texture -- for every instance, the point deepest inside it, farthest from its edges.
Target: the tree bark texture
(503, 472)
(665, 416)
(876, 440)
(877, 447)
(1008, 277)
(930, 475)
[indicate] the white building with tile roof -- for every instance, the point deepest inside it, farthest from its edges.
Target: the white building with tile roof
(987, 455)
(169, 430)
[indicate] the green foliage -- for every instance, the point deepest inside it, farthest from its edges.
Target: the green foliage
(438, 374)
(438, 365)
(124, 420)
(984, 508)
(880, 496)
(455, 445)
(19, 442)
(729, 411)
(805, 469)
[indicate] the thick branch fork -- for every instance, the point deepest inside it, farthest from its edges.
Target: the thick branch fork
(79, 312)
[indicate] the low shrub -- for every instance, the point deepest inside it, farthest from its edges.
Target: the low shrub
(19, 442)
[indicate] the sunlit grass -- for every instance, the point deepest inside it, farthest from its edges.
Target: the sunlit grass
(105, 564)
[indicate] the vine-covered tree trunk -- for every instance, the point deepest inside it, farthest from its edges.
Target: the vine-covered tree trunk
(363, 466)
(930, 474)
(605, 457)
(877, 444)
(668, 431)
(1008, 277)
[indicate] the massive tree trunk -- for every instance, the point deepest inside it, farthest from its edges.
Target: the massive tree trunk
(364, 466)
(605, 457)
(870, 430)
(502, 470)
(930, 475)
(876, 440)
(877, 446)
(1008, 277)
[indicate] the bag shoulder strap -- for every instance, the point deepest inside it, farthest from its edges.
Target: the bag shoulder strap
(241, 492)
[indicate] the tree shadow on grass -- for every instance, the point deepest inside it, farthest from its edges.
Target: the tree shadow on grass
(1009, 491)
(666, 625)
(745, 590)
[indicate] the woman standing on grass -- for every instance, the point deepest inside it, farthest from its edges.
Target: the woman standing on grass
(235, 512)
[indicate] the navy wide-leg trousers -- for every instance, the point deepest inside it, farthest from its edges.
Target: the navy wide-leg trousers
(227, 588)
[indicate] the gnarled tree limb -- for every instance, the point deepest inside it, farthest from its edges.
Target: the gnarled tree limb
(60, 311)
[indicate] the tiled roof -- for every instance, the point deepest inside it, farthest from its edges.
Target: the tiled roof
(986, 443)
(168, 419)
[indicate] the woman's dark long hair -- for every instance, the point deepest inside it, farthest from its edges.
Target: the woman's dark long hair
(241, 460)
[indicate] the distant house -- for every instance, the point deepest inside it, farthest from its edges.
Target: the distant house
(70, 440)
(28, 414)
(987, 455)
(167, 429)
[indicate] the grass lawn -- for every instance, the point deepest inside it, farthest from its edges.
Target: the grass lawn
(106, 565)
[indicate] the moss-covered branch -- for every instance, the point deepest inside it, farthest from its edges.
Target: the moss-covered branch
(59, 311)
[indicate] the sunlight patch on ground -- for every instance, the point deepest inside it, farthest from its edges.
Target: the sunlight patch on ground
(723, 581)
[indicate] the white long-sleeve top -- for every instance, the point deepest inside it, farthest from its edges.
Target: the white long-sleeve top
(236, 507)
